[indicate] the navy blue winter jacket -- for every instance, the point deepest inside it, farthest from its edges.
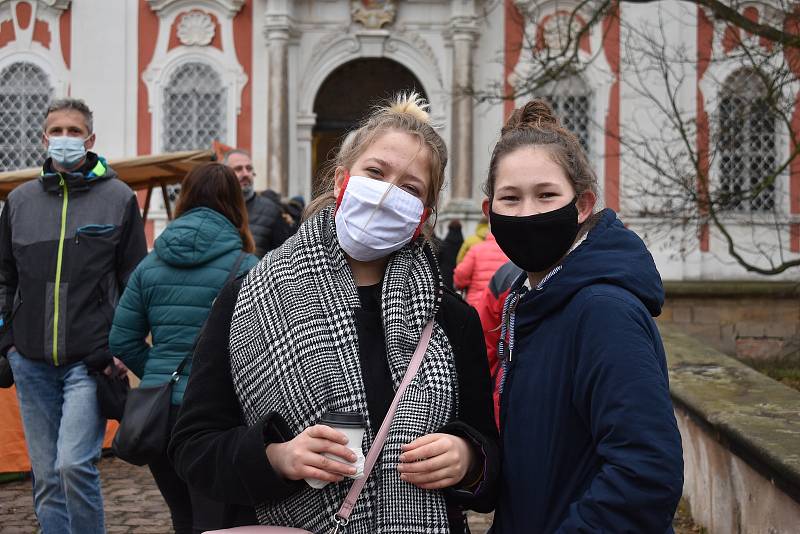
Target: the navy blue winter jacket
(590, 441)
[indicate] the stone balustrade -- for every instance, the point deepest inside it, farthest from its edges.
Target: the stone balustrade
(741, 440)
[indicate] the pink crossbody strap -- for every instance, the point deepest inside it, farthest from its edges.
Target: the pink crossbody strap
(350, 501)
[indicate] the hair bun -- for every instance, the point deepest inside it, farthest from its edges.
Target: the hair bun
(411, 104)
(534, 114)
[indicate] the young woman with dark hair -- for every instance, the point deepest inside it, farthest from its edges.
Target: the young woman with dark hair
(169, 297)
(590, 442)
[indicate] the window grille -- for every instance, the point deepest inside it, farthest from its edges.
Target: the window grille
(571, 102)
(194, 108)
(25, 93)
(746, 145)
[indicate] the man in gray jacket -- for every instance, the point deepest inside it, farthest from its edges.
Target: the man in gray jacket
(68, 242)
(265, 216)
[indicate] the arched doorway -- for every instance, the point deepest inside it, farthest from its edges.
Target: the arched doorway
(346, 97)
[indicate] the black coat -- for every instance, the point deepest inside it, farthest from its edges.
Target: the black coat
(448, 252)
(214, 450)
(267, 225)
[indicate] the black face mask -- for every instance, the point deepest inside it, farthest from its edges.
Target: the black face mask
(536, 242)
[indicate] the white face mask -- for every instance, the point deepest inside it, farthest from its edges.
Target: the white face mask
(375, 218)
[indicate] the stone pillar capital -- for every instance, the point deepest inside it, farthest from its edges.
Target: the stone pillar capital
(278, 22)
(277, 27)
(463, 28)
(463, 20)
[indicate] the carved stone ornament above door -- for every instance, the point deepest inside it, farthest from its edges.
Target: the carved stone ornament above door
(373, 14)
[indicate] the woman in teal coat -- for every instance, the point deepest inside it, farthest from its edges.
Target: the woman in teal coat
(169, 296)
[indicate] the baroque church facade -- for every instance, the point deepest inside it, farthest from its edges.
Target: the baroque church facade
(286, 80)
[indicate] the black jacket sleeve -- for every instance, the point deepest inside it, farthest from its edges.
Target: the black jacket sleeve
(475, 420)
(212, 448)
(8, 281)
(132, 246)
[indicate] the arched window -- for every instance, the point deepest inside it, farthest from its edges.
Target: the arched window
(25, 93)
(195, 104)
(746, 144)
(571, 101)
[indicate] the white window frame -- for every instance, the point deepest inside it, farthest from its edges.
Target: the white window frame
(574, 85)
(745, 206)
(166, 61)
(40, 126)
(226, 126)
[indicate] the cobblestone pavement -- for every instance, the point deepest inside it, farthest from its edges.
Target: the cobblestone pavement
(133, 504)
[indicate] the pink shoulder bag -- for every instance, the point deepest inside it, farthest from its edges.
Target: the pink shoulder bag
(341, 517)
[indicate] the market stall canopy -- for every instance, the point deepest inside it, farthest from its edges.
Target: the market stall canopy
(142, 172)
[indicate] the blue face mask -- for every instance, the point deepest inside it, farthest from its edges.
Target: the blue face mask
(65, 150)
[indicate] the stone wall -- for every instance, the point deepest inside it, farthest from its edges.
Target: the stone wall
(748, 320)
(741, 441)
(726, 495)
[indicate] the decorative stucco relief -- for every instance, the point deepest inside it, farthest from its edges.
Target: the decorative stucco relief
(373, 14)
(229, 7)
(418, 42)
(196, 29)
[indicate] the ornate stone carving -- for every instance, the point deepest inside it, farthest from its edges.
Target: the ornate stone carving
(196, 29)
(373, 14)
(559, 29)
(419, 43)
(61, 5)
(346, 42)
(230, 7)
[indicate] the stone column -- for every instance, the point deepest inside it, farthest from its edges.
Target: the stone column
(277, 27)
(463, 38)
(463, 32)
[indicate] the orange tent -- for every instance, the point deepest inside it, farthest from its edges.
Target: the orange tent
(13, 452)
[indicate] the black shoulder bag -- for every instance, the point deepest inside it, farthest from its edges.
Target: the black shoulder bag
(144, 430)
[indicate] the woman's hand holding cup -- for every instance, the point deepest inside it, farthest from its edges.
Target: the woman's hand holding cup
(302, 457)
(435, 461)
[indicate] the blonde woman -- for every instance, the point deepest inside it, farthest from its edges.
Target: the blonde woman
(328, 322)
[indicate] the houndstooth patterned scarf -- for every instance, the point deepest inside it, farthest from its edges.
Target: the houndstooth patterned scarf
(294, 351)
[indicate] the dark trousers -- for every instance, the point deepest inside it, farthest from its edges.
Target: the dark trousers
(192, 513)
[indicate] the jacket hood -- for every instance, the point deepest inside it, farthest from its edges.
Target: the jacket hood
(197, 237)
(481, 230)
(611, 254)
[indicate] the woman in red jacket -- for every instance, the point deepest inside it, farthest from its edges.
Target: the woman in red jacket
(478, 267)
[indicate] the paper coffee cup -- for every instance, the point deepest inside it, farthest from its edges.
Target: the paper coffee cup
(352, 425)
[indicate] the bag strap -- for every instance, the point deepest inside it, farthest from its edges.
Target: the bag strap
(235, 269)
(343, 515)
(231, 275)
